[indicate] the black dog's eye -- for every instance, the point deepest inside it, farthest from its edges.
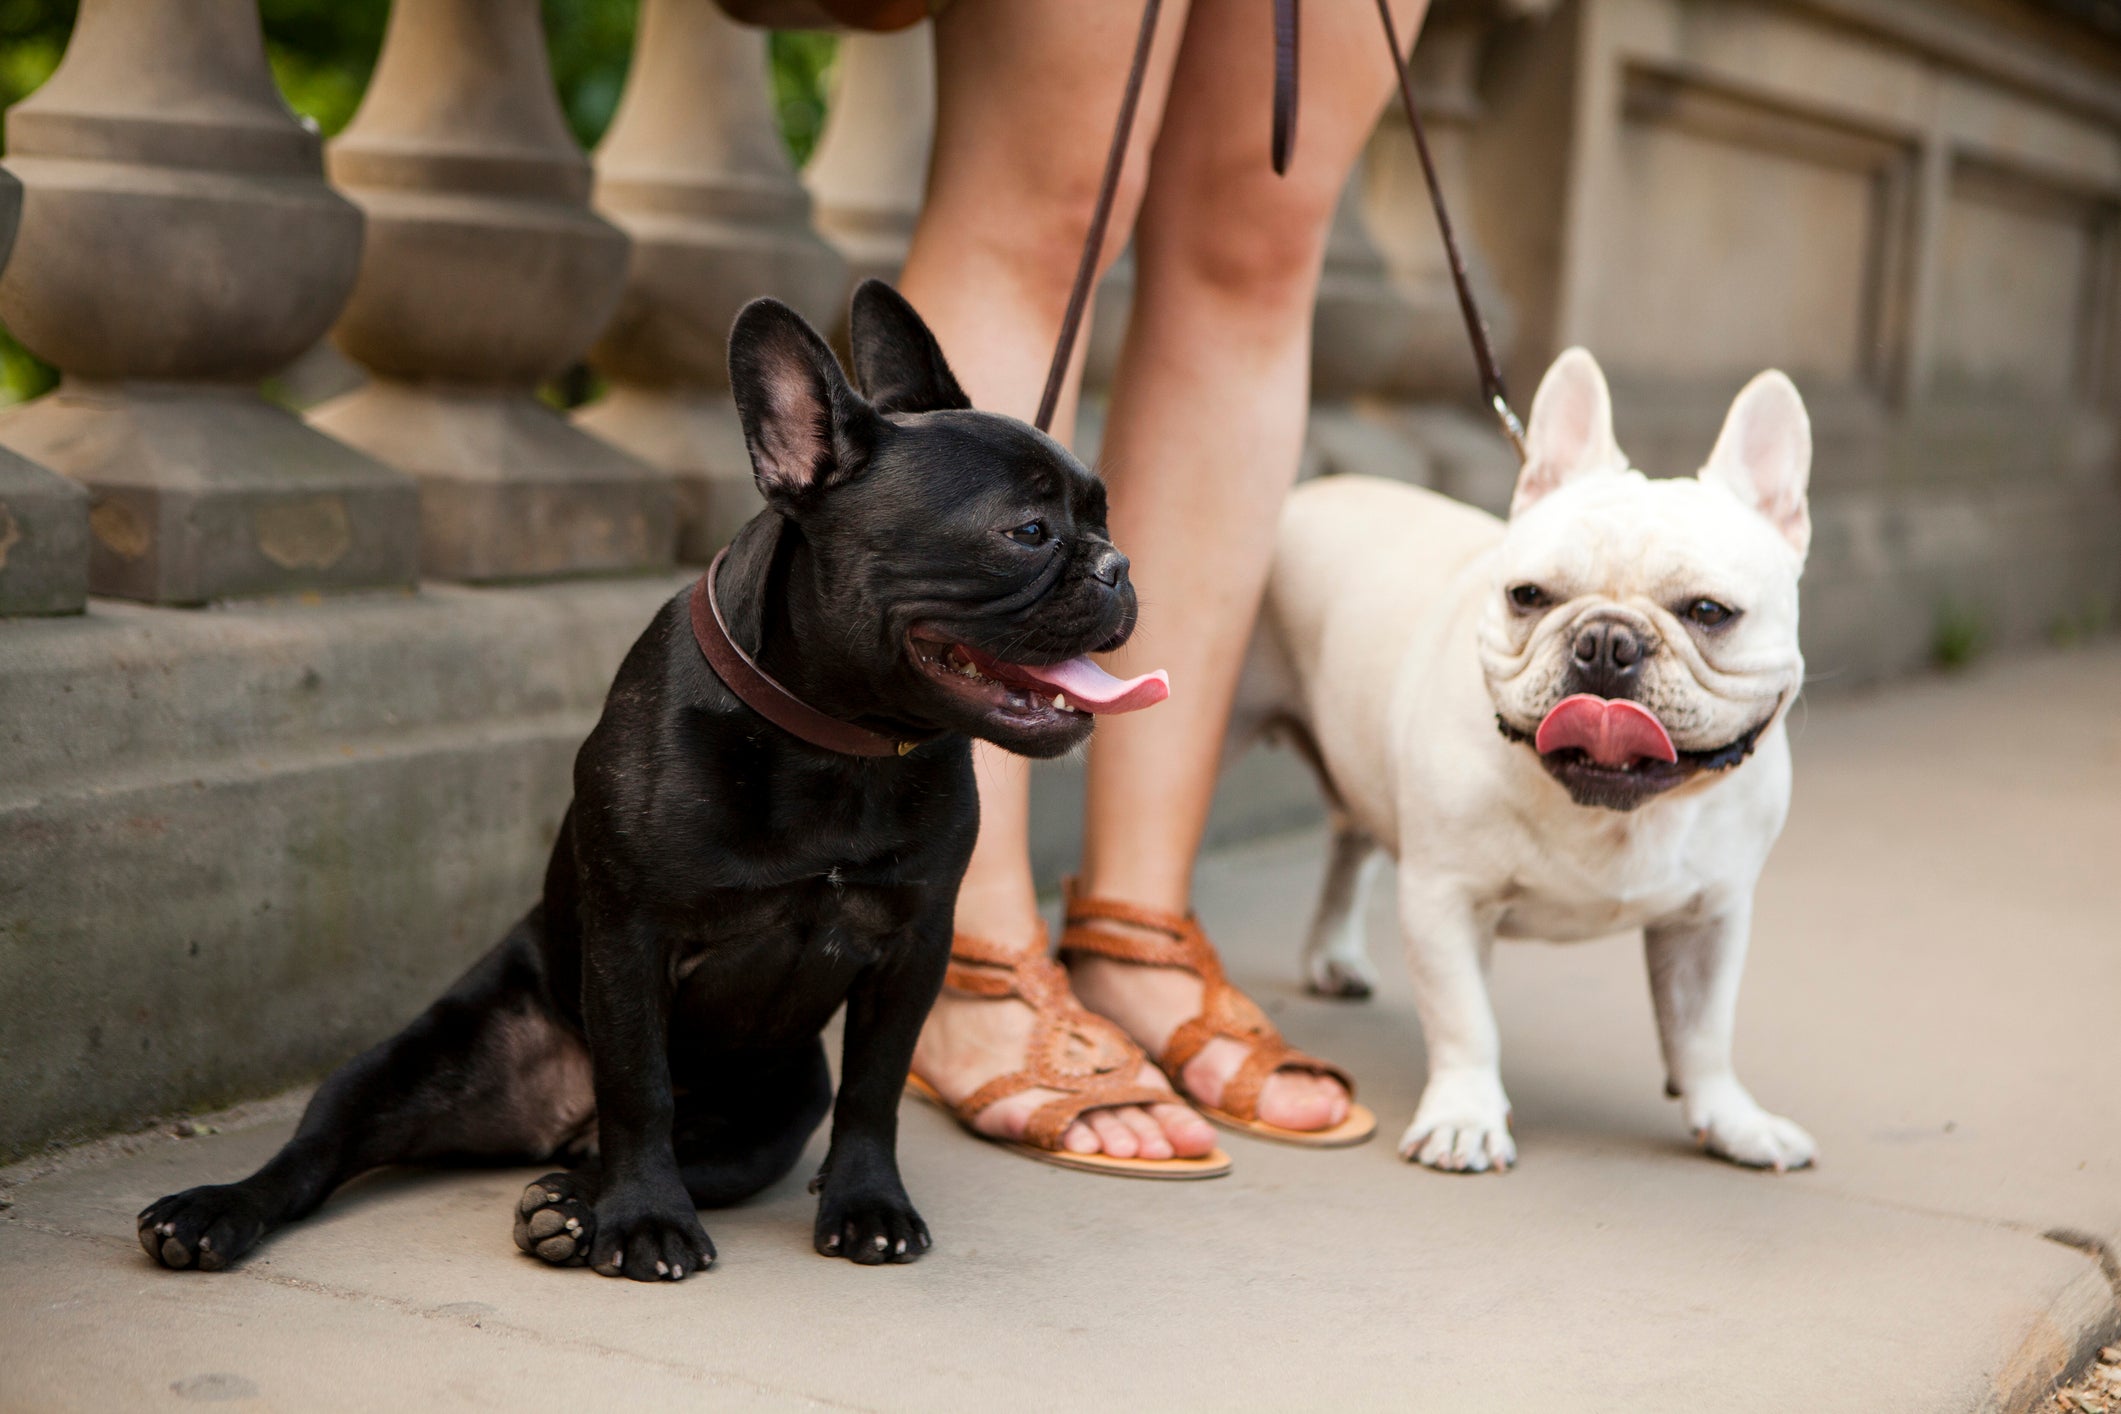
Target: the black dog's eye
(1527, 597)
(1031, 532)
(1709, 614)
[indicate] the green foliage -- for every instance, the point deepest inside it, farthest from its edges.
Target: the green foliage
(2087, 621)
(802, 77)
(1959, 635)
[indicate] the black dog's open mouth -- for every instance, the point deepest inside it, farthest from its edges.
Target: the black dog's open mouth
(1034, 693)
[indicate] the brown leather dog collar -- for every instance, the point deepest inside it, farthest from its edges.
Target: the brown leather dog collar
(758, 691)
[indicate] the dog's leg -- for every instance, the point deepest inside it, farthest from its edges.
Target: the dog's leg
(644, 1224)
(485, 1072)
(863, 1212)
(1463, 1121)
(1336, 954)
(1694, 971)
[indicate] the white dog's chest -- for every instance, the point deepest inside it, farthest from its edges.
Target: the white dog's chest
(1575, 915)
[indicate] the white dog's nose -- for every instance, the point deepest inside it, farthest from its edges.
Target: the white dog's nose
(1608, 656)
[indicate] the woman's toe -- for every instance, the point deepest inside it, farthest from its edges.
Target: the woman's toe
(1113, 1136)
(1303, 1102)
(1078, 1138)
(1149, 1140)
(1191, 1137)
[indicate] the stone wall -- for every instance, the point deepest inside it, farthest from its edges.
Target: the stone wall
(238, 841)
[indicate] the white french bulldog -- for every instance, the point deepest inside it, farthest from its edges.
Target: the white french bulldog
(1635, 642)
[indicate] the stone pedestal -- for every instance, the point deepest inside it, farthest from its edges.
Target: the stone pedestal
(43, 516)
(484, 272)
(694, 171)
(178, 243)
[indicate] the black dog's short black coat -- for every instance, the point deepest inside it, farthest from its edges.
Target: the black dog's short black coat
(719, 887)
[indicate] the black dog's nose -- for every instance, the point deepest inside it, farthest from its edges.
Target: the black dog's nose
(1110, 566)
(1608, 657)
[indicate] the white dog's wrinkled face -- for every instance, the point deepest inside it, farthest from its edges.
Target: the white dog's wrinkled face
(1642, 633)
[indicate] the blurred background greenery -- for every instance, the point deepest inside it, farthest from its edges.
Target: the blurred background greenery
(322, 52)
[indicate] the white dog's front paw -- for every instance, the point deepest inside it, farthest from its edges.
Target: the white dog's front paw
(1730, 1123)
(1462, 1125)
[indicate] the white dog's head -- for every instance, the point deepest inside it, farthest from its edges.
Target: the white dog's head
(1643, 634)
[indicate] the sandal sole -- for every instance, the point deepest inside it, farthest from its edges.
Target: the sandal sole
(1355, 1129)
(1213, 1164)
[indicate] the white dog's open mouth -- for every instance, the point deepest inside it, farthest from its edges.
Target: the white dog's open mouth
(1612, 733)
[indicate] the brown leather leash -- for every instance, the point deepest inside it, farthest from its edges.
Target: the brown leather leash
(1282, 144)
(757, 688)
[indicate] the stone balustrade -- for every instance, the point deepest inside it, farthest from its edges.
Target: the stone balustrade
(181, 237)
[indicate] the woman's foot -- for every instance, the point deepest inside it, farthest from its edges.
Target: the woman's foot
(970, 1040)
(1149, 1003)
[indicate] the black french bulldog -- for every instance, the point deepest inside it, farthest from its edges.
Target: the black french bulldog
(720, 886)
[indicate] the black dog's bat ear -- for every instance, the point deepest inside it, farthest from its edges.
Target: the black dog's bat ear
(897, 361)
(803, 425)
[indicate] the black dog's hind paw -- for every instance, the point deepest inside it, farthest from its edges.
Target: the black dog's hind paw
(554, 1220)
(204, 1228)
(871, 1229)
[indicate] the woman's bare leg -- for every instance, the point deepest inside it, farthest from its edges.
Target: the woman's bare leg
(1202, 442)
(1027, 91)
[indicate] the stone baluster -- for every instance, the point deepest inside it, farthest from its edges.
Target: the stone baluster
(177, 244)
(870, 169)
(694, 170)
(484, 272)
(43, 516)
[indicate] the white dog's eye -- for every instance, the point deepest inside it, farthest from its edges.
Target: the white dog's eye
(1709, 614)
(1526, 597)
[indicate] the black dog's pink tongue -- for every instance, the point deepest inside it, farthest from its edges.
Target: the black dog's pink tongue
(1611, 731)
(1090, 687)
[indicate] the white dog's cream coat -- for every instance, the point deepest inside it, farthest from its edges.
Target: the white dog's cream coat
(1391, 641)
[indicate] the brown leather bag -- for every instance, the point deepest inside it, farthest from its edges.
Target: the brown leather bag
(828, 14)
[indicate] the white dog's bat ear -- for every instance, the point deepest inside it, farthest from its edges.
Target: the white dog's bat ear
(1763, 456)
(1571, 433)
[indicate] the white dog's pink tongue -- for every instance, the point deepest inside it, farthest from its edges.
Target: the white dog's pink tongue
(1091, 688)
(1611, 731)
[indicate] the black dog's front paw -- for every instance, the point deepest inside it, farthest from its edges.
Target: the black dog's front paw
(870, 1226)
(206, 1228)
(647, 1238)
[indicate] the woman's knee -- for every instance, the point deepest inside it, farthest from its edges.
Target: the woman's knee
(1033, 231)
(1238, 228)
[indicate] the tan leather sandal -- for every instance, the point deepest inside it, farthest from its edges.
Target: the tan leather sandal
(1224, 1012)
(1088, 1060)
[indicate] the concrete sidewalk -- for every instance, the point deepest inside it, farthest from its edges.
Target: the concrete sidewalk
(1935, 992)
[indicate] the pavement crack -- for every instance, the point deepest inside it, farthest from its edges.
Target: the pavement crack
(2097, 1248)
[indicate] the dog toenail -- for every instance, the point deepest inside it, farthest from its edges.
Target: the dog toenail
(574, 1224)
(882, 1242)
(662, 1269)
(551, 1197)
(901, 1245)
(832, 1244)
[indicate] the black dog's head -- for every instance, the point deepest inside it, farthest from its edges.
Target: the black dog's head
(956, 566)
